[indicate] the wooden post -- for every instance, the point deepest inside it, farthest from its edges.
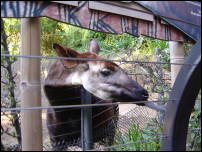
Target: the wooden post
(176, 56)
(31, 123)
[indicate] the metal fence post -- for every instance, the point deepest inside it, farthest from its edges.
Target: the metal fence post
(86, 121)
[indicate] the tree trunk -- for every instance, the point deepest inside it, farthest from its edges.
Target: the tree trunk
(8, 68)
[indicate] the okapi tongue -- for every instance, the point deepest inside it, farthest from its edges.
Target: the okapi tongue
(155, 106)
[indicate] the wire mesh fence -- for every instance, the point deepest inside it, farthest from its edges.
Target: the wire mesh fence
(124, 126)
(136, 129)
(133, 128)
(103, 136)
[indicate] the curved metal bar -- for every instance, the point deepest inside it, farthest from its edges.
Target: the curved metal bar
(186, 89)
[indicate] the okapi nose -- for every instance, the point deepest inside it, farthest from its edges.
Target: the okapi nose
(142, 93)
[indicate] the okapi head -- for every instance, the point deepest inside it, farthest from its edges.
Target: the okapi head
(103, 79)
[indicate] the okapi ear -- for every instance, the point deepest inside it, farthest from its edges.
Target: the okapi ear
(63, 51)
(93, 46)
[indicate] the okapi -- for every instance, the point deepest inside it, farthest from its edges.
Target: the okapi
(105, 80)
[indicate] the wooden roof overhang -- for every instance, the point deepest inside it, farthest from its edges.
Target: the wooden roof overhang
(114, 17)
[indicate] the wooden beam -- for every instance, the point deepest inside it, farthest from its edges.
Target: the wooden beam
(164, 22)
(73, 3)
(176, 56)
(132, 10)
(31, 123)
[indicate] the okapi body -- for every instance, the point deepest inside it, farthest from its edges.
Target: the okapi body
(105, 80)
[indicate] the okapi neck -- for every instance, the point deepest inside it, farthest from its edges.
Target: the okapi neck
(63, 95)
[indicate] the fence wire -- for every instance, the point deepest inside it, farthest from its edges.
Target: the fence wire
(123, 126)
(137, 115)
(90, 59)
(79, 106)
(119, 131)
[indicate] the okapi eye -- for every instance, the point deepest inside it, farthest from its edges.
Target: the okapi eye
(105, 72)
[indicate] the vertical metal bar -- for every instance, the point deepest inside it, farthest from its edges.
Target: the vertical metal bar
(86, 121)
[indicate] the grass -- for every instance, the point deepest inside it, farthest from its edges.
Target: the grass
(142, 140)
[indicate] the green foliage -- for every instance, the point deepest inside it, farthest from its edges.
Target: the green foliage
(146, 139)
(194, 135)
(49, 35)
(187, 48)
(78, 38)
(9, 99)
(12, 29)
(148, 45)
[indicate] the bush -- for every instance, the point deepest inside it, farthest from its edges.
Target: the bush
(145, 139)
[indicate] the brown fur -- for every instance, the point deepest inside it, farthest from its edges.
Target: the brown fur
(104, 117)
(64, 124)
